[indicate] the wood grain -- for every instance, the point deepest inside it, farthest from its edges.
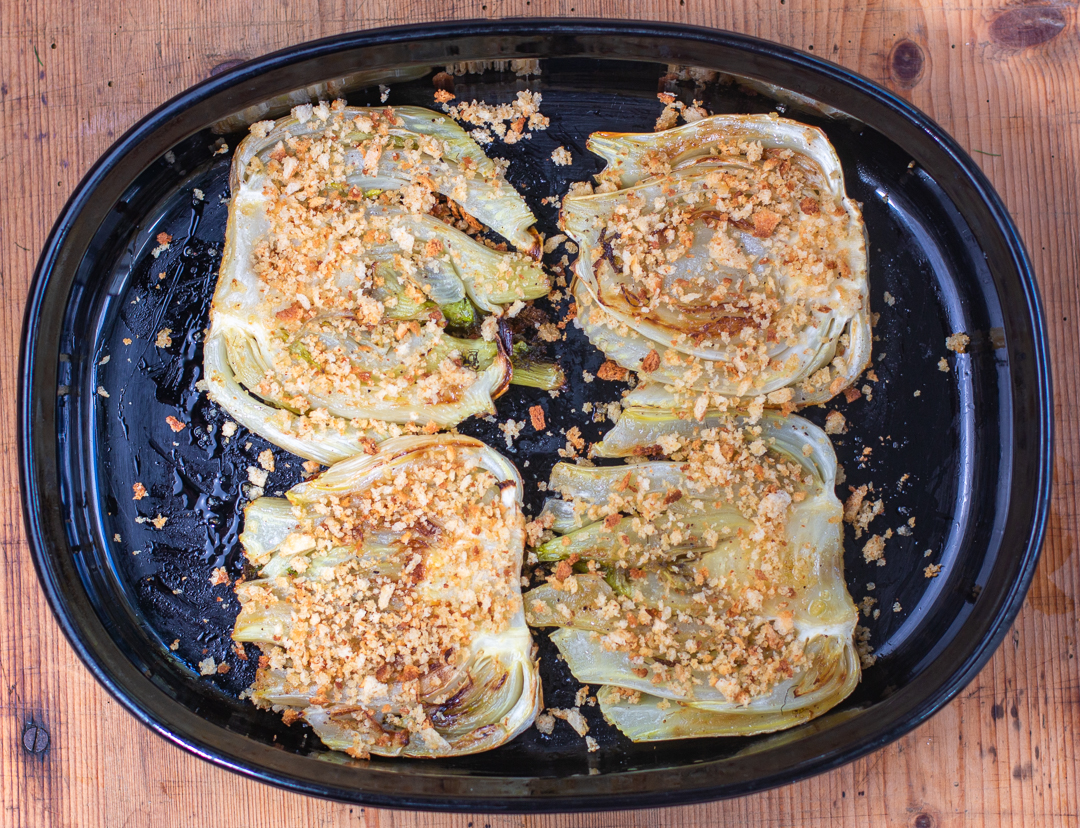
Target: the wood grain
(1003, 79)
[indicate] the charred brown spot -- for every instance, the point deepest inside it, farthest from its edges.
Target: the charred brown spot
(673, 496)
(605, 245)
(369, 446)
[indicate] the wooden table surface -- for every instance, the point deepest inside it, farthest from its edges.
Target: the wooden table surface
(1003, 79)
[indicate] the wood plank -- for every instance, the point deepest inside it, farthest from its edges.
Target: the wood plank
(1003, 79)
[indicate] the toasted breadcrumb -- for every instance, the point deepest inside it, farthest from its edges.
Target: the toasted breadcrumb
(874, 550)
(536, 415)
(511, 429)
(591, 744)
(835, 423)
(572, 716)
(932, 571)
(266, 459)
(175, 424)
(561, 157)
(257, 477)
(860, 512)
(651, 361)
(958, 342)
(163, 339)
(890, 300)
(102, 392)
(207, 667)
(611, 371)
(896, 607)
(943, 365)
(159, 522)
(140, 491)
(219, 576)
(545, 723)
(510, 122)
(163, 240)
(175, 645)
(228, 429)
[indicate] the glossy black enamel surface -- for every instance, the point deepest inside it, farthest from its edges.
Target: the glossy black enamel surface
(965, 453)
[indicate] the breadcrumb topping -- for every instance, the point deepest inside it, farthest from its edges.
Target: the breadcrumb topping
(510, 122)
(730, 260)
(382, 627)
(716, 633)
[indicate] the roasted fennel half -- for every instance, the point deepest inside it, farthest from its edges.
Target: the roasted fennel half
(387, 601)
(344, 299)
(723, 261)
(701, 583)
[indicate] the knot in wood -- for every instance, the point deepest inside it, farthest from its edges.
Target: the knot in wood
(1027, 26)
(906, 62)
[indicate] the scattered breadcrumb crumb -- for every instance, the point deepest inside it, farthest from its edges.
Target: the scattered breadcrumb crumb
(311, 466)
(874, 550)
(572, 717)
(851, 394)
(175, 645)
(511, 429)
(163, 339)
(159, 522)
(932, 571)
(228, 428)
(163, 240)
(207, 667)
(536, 415)
(587, 377)
(266, 459)
(175, 424)
(384, 93)
(943, 365)
(890, 300)
(591, 744)
(102, 392)
(223, 668)
(958, 342)
(140, 491)
(219, 576)
(545, 723)
(562, 157)
(835, 423)
(651, 361)
(896, 607)
(199, 194)
(257, 477)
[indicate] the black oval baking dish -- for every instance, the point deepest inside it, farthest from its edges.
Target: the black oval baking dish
(960, 458)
